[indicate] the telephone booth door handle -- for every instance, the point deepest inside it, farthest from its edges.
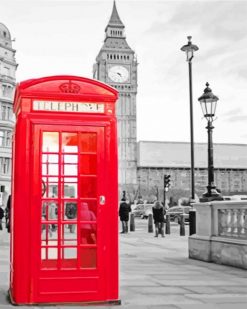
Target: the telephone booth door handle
(102, 200)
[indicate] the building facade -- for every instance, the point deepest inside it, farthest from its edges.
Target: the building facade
(156, 159)
(116, 65)
(8, 68)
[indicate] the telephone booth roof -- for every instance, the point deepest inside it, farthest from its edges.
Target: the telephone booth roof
(65, 87)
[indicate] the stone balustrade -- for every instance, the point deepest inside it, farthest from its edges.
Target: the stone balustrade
(233, 222)
(221, 233)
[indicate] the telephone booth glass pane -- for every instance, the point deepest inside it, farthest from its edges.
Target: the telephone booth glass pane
(46, 234)
(69, 234)
(88, 142)
(69, 200)
(69, 258)
(88, 187)
(88, 164)
(88, 257)
(88, 233)
(70, 170)
(70, 158)
(50, 142)
(49, 258)
(49, 187)
(70, 187)
(92, 206)
(69, 142)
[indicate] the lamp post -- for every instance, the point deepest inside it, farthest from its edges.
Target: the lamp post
(139, 196)
(189, 50)
(208, 103)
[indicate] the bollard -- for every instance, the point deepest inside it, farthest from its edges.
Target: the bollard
(192, 220)
(182, 226)
(132, 222)
(150, 223)
(168, 229)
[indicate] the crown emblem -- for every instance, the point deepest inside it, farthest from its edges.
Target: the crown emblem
(69, 87)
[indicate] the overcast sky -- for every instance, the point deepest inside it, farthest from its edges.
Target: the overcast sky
(64, 37)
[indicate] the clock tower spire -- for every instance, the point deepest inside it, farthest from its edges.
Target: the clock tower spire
(116, 65)
(115, 20)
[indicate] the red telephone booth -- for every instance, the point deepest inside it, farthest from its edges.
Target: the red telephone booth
(64, 237)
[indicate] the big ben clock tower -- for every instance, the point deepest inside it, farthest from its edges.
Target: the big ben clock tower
(116, 65)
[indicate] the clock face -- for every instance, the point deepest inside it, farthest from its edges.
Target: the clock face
(118, 74)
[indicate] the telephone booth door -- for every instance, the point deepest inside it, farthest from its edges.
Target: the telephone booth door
(69, 166)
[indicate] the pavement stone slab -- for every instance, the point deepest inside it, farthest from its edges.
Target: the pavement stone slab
(157, 273)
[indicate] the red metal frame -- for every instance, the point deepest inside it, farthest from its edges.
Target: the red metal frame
(64, 159)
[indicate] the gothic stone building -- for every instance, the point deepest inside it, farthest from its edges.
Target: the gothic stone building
(116, 65)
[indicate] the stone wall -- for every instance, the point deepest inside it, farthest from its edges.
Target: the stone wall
(229, 181)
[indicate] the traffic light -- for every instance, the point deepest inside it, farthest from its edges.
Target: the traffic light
(167, 181)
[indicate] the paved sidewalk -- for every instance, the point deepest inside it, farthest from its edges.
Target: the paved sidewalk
(156, 273)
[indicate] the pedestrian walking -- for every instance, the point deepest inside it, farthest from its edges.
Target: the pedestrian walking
(8, 213)
(1, 217)
(88, 227)
(124, 211)
(52, 215)
(71, 213)
(158, 216)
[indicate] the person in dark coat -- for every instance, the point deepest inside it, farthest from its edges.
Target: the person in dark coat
(158, 216)
(124, 211)
(1, 217)
(7, 214)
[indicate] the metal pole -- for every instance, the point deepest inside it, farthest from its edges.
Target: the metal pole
(132, 222)
(139, 187)
(164, 193)
(168, 227)
(150, 223)
(191, 133)
(210, 159)
(212, 193)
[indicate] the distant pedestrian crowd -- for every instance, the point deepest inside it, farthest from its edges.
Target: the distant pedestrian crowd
(158, 213)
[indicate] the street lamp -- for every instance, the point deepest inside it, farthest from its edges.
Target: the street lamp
(189, 49)
(208, 103)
